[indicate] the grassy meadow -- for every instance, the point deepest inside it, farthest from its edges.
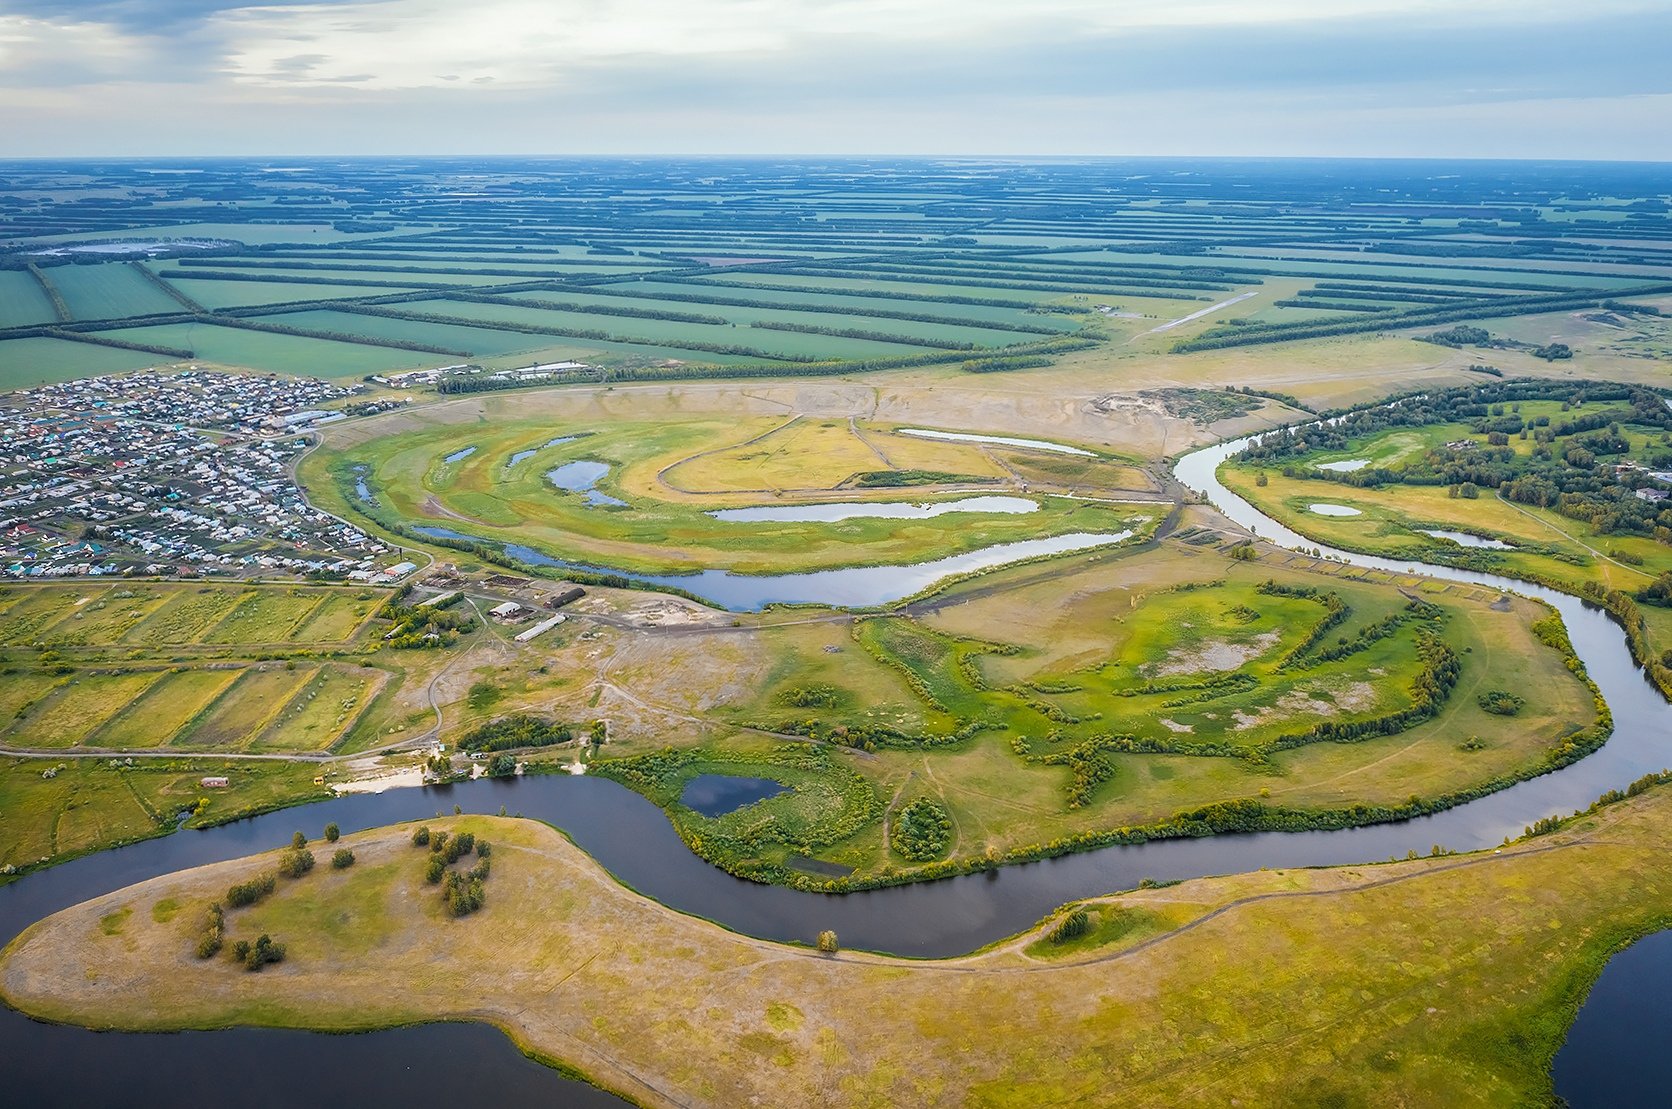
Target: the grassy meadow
(491, 481)
(1278, 987)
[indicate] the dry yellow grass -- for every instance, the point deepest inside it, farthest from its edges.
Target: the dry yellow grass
(1445, 981)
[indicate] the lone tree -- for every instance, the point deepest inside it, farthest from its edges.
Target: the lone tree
(827, 942)
(332, 833)
(298, 841)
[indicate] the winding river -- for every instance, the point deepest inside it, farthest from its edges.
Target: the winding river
(633, 839)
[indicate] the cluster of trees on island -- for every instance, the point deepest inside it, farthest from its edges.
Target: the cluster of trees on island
(294, 862)
(462, 891)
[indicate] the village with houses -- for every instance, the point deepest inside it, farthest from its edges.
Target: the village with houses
(175, 474)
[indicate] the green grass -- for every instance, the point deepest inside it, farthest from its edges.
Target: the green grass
(672, 333)
(253, 702)
(216, 294)
(109, 290)
(40, 361)
(259, 350)
(168, 705)
(666, 528)
(831, 305)
(476, 340)
(22, 302)
(1445, 981)
(76, 708)
(54, 809)
(318, 713)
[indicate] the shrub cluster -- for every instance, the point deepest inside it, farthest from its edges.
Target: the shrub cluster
(922, 830)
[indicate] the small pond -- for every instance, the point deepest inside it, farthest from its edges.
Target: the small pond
(361, 489)
(460, 455)
(1346, 467)
(532, 451)
(875, 510)
(580, 477)
(1333, 510)
(1464, 539)
(718, 794)
(1001, 440)
(1615, 1054)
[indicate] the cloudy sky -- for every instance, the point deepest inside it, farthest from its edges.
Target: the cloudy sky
(1477, 78)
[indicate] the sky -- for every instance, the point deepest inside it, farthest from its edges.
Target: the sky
(1362, 78)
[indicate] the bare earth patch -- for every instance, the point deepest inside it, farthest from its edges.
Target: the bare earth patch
(1214, 656)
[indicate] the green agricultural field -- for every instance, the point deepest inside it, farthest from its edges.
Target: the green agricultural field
(75, 709)
(770, 343)
(260, 350)
(164, 708)
(267, 615)
(25, 363)
(686, 297)
(216, 294)
(23, 302)
(109, 290)
(140, 665)
(476, 340)
(246, 709)
(172, 614)
(661, 470)
(318, 713)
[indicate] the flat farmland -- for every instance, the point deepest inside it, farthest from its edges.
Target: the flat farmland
(476, 340)
(965, 256)
(304, 275)
(655, 294)
(76, 708)
(109, 290)
(162, 709)
(215, 294)
(169, 614)
(292, 354)
(321, 710)
(769, 342)
(22, 301)
(39, 360)
(246, 709)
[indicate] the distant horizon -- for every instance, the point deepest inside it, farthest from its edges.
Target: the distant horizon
(839, 157)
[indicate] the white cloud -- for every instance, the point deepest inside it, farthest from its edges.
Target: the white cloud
(407, 44)
(55, 52)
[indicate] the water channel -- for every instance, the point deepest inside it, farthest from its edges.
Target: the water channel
(633, 839)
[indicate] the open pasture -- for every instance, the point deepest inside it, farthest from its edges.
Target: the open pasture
(220, 617)
(671, 473)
